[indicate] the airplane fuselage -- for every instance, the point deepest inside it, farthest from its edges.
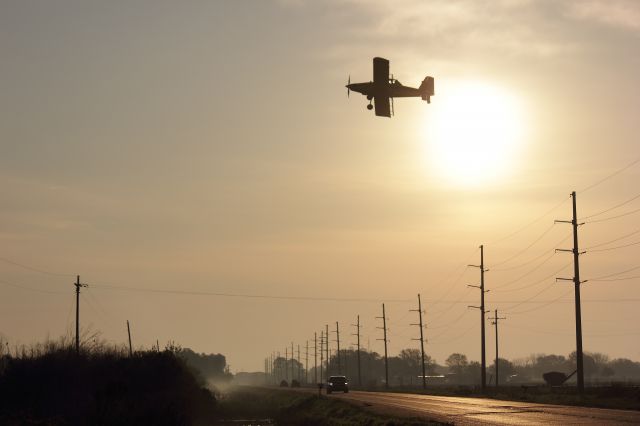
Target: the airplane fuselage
(389, 90)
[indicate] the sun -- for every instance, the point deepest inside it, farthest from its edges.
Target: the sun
(474, 132)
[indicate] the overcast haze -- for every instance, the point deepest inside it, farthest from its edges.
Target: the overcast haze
(211, 147)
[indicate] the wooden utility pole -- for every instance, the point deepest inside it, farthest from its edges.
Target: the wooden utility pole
(338, 352)
(306, 364)
(576, 280)
(419, 310)
(321, 354)
(286, 361)
(299, 366)
(292, 363)
(78, 285)
(483, 368)
(315, 357)
(495, 320)
(129, 333)
(357, 333)
(326, 346)
(386, 363)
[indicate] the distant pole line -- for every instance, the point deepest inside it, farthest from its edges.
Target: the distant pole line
(419, 310)
(326, 346)
(576, 280)
(495, 320)
(306, 364)
(386, 360)
(357, 333)
(483, 367)
(129, 333)
(321, 355)
(299, 366)
(77, 284)
(338, 350)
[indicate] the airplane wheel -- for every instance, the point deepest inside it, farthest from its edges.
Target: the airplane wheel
(369, 107)
(369, 97)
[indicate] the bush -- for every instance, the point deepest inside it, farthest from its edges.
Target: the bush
(102, 388)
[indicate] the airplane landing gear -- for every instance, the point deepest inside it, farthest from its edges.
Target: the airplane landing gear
(369, 97)
(369, 107)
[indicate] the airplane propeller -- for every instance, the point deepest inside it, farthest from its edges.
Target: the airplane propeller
(348, 84)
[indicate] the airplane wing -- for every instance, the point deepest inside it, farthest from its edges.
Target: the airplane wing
(380, 71)
(383, 107)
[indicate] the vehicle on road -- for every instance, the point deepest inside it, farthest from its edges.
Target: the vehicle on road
(337, 383)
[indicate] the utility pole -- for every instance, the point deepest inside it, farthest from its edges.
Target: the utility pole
(78, 285)
(386, 364)
(419, 311)
(483, 369)
(129, 333)
(326, 345)
(577, 282)
(321, 355)
(315, 357)
(299, 367)
(357, 333)
(495, 320)
(338, 352)
(292, 363)
(286, 361)
(306, 364)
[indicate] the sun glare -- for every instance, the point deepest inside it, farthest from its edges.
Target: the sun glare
(474, 133)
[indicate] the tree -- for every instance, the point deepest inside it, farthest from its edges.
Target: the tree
(457, 363)
(588, 363)
(411, 357)
(505, 369)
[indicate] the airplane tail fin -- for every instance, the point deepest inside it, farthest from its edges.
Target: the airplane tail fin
(427, 89)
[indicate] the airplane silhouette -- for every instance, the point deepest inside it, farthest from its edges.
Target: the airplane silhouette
(384, 88)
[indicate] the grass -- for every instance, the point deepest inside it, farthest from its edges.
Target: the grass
(56, 386)
(296, 408)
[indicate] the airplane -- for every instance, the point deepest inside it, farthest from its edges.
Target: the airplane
(384, 88)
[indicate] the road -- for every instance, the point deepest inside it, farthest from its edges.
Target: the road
(482, 411)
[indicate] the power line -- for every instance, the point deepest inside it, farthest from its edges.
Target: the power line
(612, 208)
(633, 163)
(535, 282)
(544, 305)
(246, 295)
(435, 341)
(529, 262)
(616, 273)
(529, 272)
(526, 248)
(614, 248)
(529, 223)
(23, 287)
(31, 268)
(606, 219)
(614, 240)
(618, 279)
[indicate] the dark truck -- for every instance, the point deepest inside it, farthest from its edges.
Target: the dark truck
(337, 383)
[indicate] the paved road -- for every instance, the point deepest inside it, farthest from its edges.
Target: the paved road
(481, 411)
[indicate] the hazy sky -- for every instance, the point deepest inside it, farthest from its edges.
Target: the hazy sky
(209, 146)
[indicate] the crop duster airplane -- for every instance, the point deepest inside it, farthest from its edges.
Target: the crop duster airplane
(383, 89)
